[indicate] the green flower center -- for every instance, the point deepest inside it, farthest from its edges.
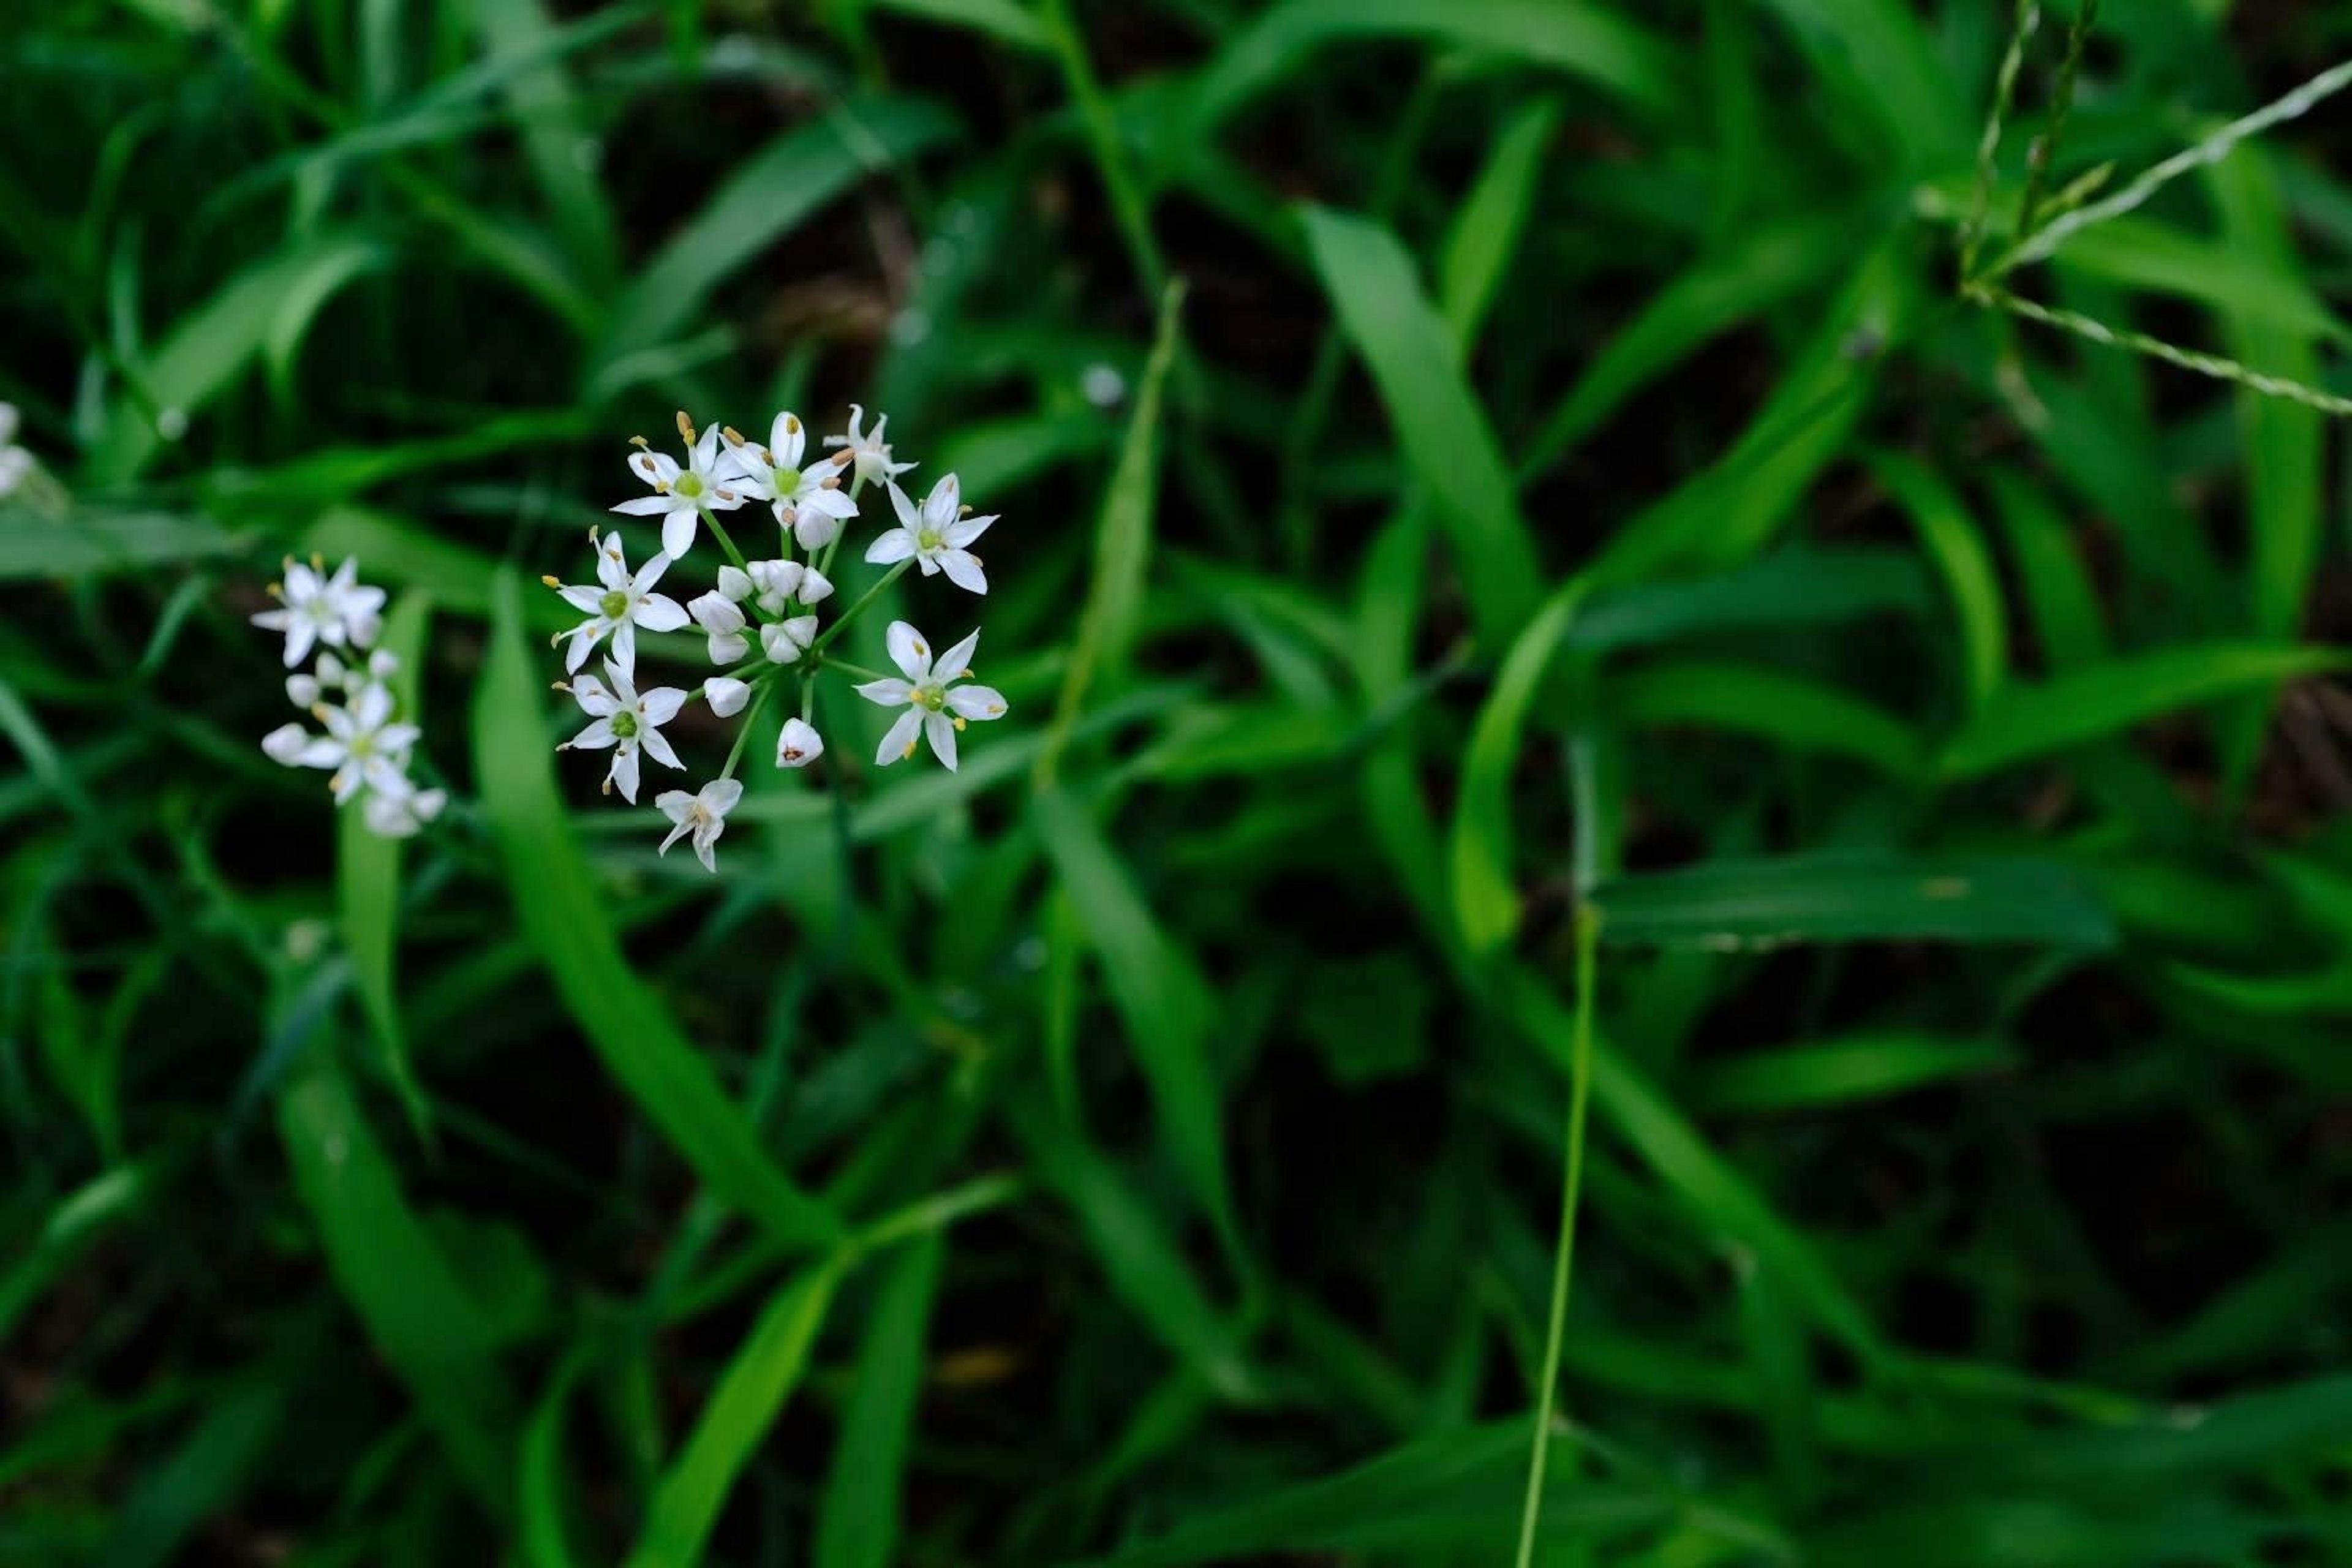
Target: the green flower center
(625, 725)
(689, 484)
(786, 481)
(928, 539)
(615, 604)
(934, 697)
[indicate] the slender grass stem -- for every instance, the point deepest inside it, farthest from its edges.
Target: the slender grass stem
(864, 599)
(1579, 1083)
(725, 543)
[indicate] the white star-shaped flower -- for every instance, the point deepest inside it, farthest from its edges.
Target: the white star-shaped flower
(935, 536)
(400, 812)
(799, 745)
(722, 623)
(726, 695)
(628, 722)
(361, 744)
(331, 673)
(680, 494)
(618, 604)
(935, 707)
(318, 608)
(785, 641)
(810, 502)
(703, 815)
(867, 448)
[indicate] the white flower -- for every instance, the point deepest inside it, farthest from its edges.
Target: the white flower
(681, 494)
(618, 604)
(15, 461)
(723, 623)
(627, 721)
(361, 744)
(703, 815)
(284, 744)
(733, 584)
(726, 697)
(777, 583)
(935, 536)
(1102, 385)
(785, 641)
(331, 673)
(318, 608)
(810, 502)
(871, 453)
(799, 745)
(935, 706)
(399, 813)
(815, 585)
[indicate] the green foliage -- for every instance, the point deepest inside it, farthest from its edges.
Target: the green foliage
(1490, 488)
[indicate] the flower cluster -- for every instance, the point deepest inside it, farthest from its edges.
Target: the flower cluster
(760, 620)
(366, 747)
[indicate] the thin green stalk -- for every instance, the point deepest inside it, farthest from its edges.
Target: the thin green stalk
(2214, 365)
(2005, 93)
(743, 732)
(725, 543)
(1128, 201)
(1579, 1083)
(856, 670)
(864, 599)
(2045, 148)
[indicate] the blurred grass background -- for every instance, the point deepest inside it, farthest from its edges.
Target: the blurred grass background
(1566, 479)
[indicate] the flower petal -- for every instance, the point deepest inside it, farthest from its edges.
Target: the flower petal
(658, 613)
(798, 746)
(726, 697)
(592, 696)
(956, 663)
(613, 562)
(976, 702)
(625, 647)
(656, 745)
(624, 772)
(676, 804)
(719, 796)
(587, 601)
(962, 568)
(644, 506)
(595, 737)
(910, 652)
(787, 438)
(677, 530)
(908, 517)
(889, 693)
(891, 547)
(939, 507)
(940, 730)
(899, 743)
(654, 467)
(660, 705)
(961, 534)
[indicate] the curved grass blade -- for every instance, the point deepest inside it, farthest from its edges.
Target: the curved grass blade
(2034, 719)
(367, 880)
(1853, 896)
(562, 915)
(1954, 543)
(1486, 887)
(734, 1422)
(858, 1522)
(395, 1276)
(1798, 715)
(1415, 362)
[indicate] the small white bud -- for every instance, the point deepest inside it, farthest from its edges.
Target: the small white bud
(284, 743)
(799, 745)
(726, 697)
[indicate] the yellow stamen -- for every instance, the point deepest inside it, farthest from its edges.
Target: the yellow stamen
(686, 426)
(318, 562)
(959, 722)
(793, 423)
(548, 578)
(845, 454)
(908, 752)
(277, 590)
(734, 438)
(830, 482)
(641, 444)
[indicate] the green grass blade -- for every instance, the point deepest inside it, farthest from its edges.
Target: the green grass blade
(1107, 627)
(562, 913)
(1165, 1002)
(1794, 587)
(1484, 883)
(1568, 35)
(2090, 703)
(367, 878)
(1006, 21)
(1853, 896)
(1799, 715)
(1863, 1067)
(1957, 549)
(415, 1309)
(734, 1422)
(199, 1481)
(214, 344)
(547, 113)
(1440, 429)
(858, 1520)
(767, 197)
(539, 1477)
(2067, 620)
(93, 540)
(1486, 232)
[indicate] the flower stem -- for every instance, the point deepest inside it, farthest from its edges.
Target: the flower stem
(725, 543)
(864, 599)
(735, 754)
(1579, 1082)
(857, 671)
